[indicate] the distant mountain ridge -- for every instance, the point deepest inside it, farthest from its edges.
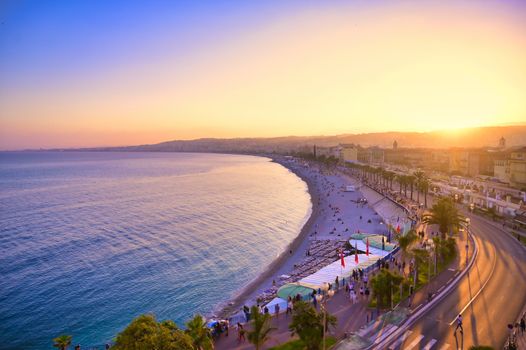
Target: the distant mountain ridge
(467, 138)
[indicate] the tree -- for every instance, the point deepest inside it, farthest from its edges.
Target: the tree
(261, 328)
(404, 241)
(145, 333)
(424, 187)
(445, 214)
(201, 338)
(383, 285)
(307, 323)
(411, 182)
(419, 178)
(401, 182)
(445, 249)
(421, 256)
(62, 342)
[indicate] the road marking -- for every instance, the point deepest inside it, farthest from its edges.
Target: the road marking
(400, 340)
(416, 341)
(480, 290)
(416, 308)
(385, 332)
(451, 269)
(444, 347)
(430, 344)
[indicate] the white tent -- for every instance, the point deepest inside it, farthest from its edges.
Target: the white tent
(328, 273)
(281, 302)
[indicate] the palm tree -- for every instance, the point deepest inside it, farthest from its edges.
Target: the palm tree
(445, 214)
(261, 328)
(196, 328)
(390, 177)
(308, 324)
(419, 177)
(424, 184)
(62, 342)
(420, 256)
(401, 182)
(405, 241)
(411, 182)
(383, 285)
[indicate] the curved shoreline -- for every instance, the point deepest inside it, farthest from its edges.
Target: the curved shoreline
(253, 286)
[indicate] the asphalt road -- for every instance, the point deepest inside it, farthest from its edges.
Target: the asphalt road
(489, 297)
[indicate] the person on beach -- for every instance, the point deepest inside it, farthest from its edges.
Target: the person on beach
(240, 333)
(289, 306)
(265, 310)
(276, 310)
(361, 292)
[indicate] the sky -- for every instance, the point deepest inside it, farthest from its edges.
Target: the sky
(107, 73)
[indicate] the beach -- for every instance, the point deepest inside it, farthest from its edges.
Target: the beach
(335, 215)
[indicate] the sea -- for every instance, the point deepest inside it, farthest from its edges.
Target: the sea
(91, 240)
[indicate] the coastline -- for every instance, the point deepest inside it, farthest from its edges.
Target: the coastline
(325, 216)
(248, 292)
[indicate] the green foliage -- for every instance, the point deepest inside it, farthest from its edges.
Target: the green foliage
(260, 330)
(201, 338)
(445, 214)
(307, 323)
(145, 333)
(404, 241)
(299, 345)
(446, 249)
(62, 342)
(384, 285)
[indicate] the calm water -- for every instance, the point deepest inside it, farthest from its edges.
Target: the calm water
(90, 240)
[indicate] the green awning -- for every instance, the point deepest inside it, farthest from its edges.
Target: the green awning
(293, 289)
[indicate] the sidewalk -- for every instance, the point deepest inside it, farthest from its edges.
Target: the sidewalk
(350, 318)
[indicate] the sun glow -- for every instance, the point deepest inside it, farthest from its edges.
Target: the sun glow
(433, 66)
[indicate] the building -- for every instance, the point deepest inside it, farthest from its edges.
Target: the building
(327, 151)
(518, 168)
(348, 153)
(458, 162)
(473, 162)
(372, 155)
(501, 170)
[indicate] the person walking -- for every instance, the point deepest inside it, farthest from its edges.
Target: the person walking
(459, 324)
(276, 310)
(523, 325)
(240, 333)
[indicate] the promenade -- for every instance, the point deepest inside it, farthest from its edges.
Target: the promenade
(357, 318)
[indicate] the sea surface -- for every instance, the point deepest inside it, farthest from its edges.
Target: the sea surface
(89, 240)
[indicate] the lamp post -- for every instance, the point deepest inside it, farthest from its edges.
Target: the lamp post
(468, 222)
(322, 300)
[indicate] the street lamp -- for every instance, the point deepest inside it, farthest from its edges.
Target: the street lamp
(468, 222)
(323, 306)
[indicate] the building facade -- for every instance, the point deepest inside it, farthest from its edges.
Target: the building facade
(518, 168)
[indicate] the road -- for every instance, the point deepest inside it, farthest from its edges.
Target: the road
(489, 297)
